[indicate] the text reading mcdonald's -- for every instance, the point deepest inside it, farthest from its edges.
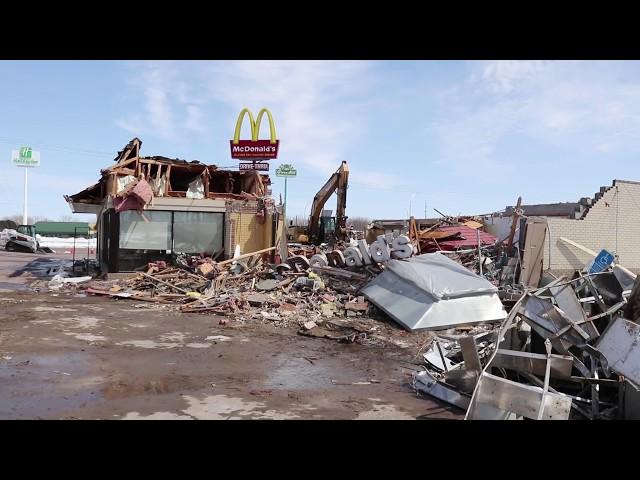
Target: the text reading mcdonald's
(254, 149)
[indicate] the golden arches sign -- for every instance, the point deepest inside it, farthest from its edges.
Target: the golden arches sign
(254, 149)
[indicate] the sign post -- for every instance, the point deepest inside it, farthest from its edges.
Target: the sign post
(26, 158)
(286, 170)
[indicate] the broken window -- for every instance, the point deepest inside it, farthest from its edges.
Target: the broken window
(198, 232)
(150, 230)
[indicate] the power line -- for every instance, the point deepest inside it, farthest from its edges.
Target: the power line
(60, 148)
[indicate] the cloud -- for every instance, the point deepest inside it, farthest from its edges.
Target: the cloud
(586, 108)
(504, 76)
(169, 110)
(320, 107)
(315, 103)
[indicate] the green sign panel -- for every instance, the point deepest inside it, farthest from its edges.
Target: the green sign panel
(26, 157)
(286, 170)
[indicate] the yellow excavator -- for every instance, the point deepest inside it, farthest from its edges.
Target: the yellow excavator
(325, 229)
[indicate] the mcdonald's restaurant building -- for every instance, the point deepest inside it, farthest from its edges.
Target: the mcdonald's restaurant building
(151, 208)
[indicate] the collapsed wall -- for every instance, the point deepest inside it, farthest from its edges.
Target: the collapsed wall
(611, 222)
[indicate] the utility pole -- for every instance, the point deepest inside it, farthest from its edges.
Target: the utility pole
(24, 209)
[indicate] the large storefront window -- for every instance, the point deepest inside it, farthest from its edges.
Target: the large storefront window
(150, 230)
(155, 235)
(197, 232)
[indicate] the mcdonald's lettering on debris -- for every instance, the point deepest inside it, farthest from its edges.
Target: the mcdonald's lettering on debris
(254, 149)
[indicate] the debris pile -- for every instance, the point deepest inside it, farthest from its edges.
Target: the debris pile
(322, 301)
(498, 347)
(564, 351)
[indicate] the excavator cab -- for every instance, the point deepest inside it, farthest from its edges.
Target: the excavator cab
(327, 231)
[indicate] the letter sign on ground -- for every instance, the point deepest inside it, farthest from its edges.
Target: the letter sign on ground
(286, 170)
(254, 149)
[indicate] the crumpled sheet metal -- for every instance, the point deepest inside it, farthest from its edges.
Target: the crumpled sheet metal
(427, 383)
(523, 400)
(547, 320)
(432, 292)
(620, 345)
(439, 276)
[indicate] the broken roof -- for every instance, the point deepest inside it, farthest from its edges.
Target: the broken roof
(467, 238)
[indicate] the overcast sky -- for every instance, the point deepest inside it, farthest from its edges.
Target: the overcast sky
(464, 137)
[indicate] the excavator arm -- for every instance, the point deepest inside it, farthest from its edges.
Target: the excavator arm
(338, 181)
(341, 219)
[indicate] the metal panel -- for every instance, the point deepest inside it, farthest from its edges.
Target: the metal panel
(462, 379)
(631, 402)
(620, 344)
(521, 399)
(533, 252)
(544, 314)
(567, 301)
(470, 353)
(533, 363)
(415, 309)
(427, 383)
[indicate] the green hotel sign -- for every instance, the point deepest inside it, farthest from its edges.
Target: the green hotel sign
(286, 170)
(26, 157)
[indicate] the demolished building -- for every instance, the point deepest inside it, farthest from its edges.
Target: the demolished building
(149, 208)
(607, 221)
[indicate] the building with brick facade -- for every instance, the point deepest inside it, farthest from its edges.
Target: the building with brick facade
(609, 220)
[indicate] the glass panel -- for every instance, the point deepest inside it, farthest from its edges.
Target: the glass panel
(152, 234)
(197, 232)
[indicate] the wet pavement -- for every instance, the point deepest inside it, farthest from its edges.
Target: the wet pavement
(85, 357)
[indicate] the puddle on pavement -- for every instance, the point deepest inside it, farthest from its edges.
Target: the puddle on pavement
(296, 373)
(13, 287)
(62, 383)
(383, 412)
(173, 337)
(86, 336)
(216, 407)
(218, 338)
(54, 309)
(148, 344)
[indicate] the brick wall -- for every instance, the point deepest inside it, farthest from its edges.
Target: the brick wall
(245, 229)
(613, 223)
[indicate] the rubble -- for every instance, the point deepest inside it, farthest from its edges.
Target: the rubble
(564, 351)
(503, 340)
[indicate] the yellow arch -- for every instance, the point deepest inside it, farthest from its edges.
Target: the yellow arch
(254, 135)
(272, 126)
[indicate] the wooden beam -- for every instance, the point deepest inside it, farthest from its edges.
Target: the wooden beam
(514, 224)
(246, 255)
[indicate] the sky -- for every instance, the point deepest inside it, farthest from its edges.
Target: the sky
(465, 137)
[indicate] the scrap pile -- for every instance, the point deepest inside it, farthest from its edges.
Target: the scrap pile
(464, 241)
(564, 351)
(249, 288)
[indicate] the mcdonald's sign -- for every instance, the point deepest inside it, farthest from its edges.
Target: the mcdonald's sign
(254, 149)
